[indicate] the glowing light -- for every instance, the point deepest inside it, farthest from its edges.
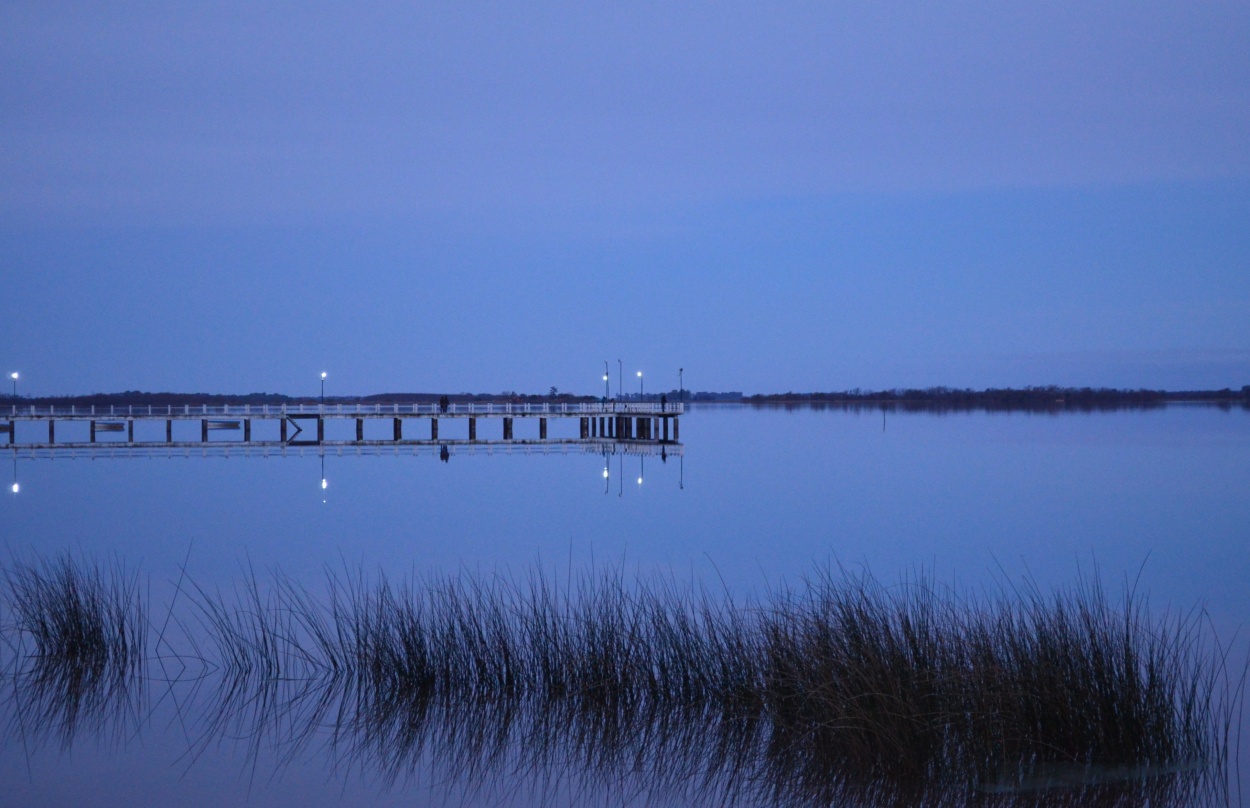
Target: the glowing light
(640, 481)
(605, 473)
(323, 374)
(323, 484)
(16, 488)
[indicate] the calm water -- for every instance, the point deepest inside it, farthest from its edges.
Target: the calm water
(761, 497)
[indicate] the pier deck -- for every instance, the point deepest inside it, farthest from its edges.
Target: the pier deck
(599, 424)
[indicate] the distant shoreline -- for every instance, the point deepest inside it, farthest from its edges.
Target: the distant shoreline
(1050, 398)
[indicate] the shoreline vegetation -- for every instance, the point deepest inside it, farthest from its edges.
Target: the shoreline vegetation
(839, 691)
(940, 399)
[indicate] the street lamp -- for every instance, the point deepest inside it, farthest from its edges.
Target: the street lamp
(606, 392)
(323, 388)
(620, 376)
(681, 385)
(13, 376)
(640, 385)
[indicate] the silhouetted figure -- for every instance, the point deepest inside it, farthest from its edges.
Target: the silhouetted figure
(443, 404)
(663, 401)
(444, 454)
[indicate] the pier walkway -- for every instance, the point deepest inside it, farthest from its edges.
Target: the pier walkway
(601, 425)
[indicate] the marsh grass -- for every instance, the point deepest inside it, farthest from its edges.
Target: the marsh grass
(839, 691)
(842, 689)
(77, 636)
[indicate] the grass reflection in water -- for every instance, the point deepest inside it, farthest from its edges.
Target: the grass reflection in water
(842, 692)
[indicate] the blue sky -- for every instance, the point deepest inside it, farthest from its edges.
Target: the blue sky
(488, 197)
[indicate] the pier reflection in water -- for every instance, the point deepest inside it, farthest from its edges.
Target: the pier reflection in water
(845, 693)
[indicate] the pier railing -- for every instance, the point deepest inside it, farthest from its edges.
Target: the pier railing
(432, 408)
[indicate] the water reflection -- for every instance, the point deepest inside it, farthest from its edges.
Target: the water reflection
(845, 692)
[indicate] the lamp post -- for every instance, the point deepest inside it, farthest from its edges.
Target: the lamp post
(640, 385)
(606, 392)
(323, 388)
(13, 376)
(620, 376)
(681, 385)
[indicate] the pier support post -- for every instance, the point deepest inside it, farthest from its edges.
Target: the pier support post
(13, 430)
(281, 430)
(399, 429)
(542, 428)
(360, 429)
(507, 429)
(675, 435)
(130, 431)
(472, 429)
(665, 429)
(92, 433)
(204, 430)
(169, 431)
(321, 429)
(247, 430)
(583, 423)
(51, 431)
(433, 429)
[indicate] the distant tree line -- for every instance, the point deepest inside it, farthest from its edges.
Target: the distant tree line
(1051, 398)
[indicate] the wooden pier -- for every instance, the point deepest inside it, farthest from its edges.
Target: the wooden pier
(601, 427)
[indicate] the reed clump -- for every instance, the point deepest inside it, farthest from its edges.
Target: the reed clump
(78, 642)
(842, 689)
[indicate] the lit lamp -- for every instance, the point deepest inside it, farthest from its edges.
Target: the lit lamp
(323, 388)
(640, 385)
(13, 376)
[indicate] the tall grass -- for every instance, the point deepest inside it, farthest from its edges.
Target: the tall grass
(843, 689)
(77, 641)
(840, 691)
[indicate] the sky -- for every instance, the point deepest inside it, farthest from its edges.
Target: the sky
(447, 197)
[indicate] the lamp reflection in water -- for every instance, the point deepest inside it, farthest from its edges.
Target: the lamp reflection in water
(15, 487)
(642, 465)
(606, 482)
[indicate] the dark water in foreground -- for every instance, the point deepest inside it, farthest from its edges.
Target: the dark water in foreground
(761, 499)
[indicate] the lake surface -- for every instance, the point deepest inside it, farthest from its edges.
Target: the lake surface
(1156, 499)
